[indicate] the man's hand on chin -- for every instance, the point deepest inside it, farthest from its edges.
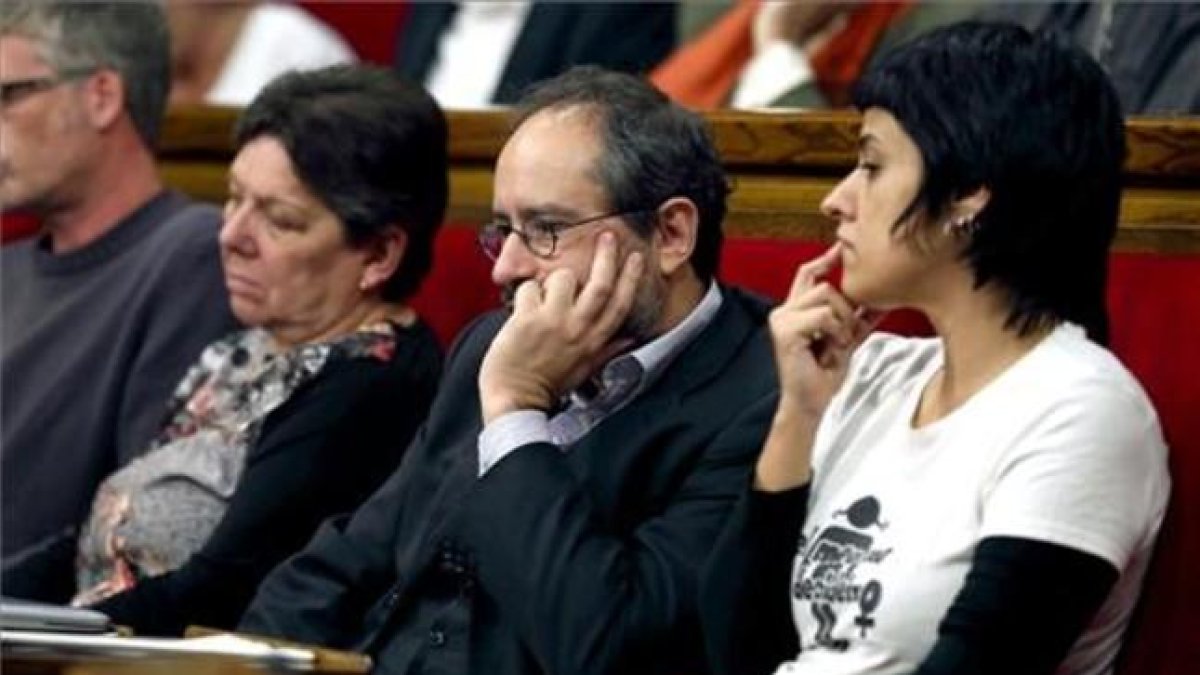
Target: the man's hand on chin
(559, 334)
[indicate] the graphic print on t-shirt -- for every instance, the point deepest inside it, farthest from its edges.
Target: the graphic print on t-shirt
(828, 575)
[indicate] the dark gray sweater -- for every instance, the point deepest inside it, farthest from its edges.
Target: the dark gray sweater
(93, 342)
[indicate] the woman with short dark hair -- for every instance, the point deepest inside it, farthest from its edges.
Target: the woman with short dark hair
(337, 189)
(986, 500)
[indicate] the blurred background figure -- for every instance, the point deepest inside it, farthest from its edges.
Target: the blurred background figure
(789, 53)
(808, 53)
(1150, 50)
(103, 311)
(472, 54)
(225, 51)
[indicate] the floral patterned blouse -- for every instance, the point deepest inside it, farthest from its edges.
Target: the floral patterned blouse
(149, 517)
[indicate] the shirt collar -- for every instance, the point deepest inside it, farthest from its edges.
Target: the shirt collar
(656, 355)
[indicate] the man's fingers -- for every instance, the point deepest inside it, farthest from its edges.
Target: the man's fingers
(559, 289)
(528, 297)
(601, 282)
(623, 295)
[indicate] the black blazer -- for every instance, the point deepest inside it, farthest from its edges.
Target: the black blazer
(627, 36)
(579, 561)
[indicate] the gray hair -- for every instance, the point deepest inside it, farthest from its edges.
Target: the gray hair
(652, 149)
(129, 37)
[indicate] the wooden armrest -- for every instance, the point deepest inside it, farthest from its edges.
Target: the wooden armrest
(327, 660)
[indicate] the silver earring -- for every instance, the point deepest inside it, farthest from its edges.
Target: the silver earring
(961, 226)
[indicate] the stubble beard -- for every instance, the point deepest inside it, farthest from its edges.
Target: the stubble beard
(642, 321)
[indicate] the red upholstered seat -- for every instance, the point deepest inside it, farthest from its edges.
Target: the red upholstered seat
(16, 226)
(768, 266)
(1154, 302)
(370, 26)
(459, 287)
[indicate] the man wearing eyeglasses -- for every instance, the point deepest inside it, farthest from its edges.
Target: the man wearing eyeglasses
(586, 444)
(106, 308)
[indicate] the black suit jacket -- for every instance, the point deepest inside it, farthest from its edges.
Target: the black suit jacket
(627, 36)
(577, 561)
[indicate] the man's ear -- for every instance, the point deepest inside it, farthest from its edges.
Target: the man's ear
(384, 254)
(677, 226)
(104, 98)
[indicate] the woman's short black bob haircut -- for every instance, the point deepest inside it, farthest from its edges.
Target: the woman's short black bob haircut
(1036, 121)
(371, 146)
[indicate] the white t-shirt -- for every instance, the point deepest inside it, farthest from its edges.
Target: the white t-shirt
(1063, 447)
(276, 38)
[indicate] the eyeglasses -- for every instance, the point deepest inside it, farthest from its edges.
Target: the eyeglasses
(540, 234)
(16, 90)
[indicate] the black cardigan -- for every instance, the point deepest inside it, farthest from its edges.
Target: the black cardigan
(319, 454)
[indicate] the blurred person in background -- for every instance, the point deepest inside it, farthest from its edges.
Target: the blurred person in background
(790, 53)
(809, 53)
(224, 51)
(1150, 50)
(476, 54)
(104, 310)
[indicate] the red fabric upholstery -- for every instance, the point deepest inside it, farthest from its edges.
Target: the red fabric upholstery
(459, 287)
(1155, 311)
(16, 226)
(768, 265)
(369, 26)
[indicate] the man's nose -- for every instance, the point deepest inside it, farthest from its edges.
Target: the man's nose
(514, 262)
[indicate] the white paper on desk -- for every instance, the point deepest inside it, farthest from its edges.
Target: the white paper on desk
(211, 645)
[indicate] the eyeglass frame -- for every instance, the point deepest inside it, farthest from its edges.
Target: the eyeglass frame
(15, 91)
(506, 229)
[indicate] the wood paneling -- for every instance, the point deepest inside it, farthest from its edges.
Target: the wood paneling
(781, 165)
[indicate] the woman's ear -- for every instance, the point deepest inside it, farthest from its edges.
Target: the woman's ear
(677, 225)
(970, 205)
(384, 255)
(961, 221)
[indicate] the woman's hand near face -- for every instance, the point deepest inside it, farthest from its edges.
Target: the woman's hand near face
(814, 332)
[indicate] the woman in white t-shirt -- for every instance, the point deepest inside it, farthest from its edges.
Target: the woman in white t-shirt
(984, 501)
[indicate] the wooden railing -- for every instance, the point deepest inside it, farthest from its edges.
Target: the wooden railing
(781, 165)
